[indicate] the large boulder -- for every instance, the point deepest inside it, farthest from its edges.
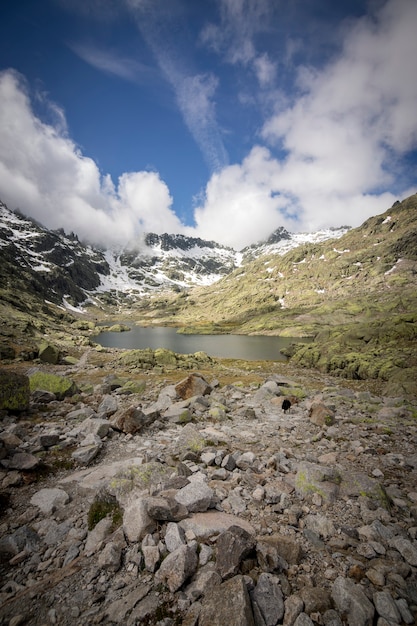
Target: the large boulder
(61, 386)
(48, 353)
(193, 385)
(228, 603)
(14, 391)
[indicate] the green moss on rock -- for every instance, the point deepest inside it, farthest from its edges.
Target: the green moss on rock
(14, 391)
(61, 386)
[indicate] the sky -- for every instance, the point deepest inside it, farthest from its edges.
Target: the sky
(219, 119)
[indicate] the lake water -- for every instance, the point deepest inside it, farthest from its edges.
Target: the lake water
(254, 348)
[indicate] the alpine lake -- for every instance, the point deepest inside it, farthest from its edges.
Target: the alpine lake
(249, 348)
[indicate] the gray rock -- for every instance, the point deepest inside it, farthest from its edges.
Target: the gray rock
(117, 610)
(22, 461)
(24, 538)
(88, 449)
(151, 557)
(303, 620)
(293, 606)
(321, 415)
(204, 579)
(276, 551)
(110, 557)
(386, 607)
(49, 500)
(196, 496)
(351, 601)
(136, 521)
(177, 567)
(233, 546)
(313, 478)
(267, 595)
(97, 535)
(174, 537)
(245, 460)
(228, 463)
(91, 426)
(331, 618)
(405, 612)
(108, 406)
(48, 439)
(165, 509)
(321, 525)
(407, 549)
(228, 603)
(212, 523)
(316, 600)
(177, 414)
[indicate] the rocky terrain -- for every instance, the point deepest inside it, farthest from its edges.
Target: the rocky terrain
(144, 487)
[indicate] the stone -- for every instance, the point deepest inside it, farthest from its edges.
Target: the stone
(91, 426)
(24, 538)
(228, 603)
(136, 521)
(177, 567)
(130, 421)
(14, 391)
(49, 500)
(278, 550)
(97, 535)
(407, 549)
(117, 610)
(48, 353)
(193, 385)
(386, 607)
(110, 557)
(166, 509)
(233, 545)
(196, 496)
(48, 439)
(22, 461)
(351, 601)
(202, 581)
(321, 525)
(177, 414)
(331, 618)
(303, 620)
(321, 415)
(267, 595)
(88, 450)
(108, 406)
(61, 386)
(174, 537)
(212, 523)
(151, 557)
(314, 478)
(316, 599)
(293, 606)
(40, 396)
(405, 612)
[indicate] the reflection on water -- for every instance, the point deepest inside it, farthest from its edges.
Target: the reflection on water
(258, 348)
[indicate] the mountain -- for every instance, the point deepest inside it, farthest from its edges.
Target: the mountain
(58, 267)
(351, 292)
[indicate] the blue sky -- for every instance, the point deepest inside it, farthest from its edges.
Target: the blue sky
(222, 119)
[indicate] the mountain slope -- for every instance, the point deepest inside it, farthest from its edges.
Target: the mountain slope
(357, 297)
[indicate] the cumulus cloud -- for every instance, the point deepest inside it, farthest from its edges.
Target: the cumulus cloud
(335, 152)
(45, 174)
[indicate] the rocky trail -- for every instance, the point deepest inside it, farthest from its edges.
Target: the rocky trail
(127, 499)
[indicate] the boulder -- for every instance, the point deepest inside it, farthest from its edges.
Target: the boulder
(212, 523)
(196, 496)
(193, 385)
(49, 500)
(233, 546)
(321, 415)
(131, 420)
(178, 567)
(61, 386)
(136, 521)
(268, 598)
(228, 603)
(14, 391)
(48, 353)
(351, 601)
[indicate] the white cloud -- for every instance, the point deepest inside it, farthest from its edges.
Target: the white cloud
(343, 138)
(46, 175)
